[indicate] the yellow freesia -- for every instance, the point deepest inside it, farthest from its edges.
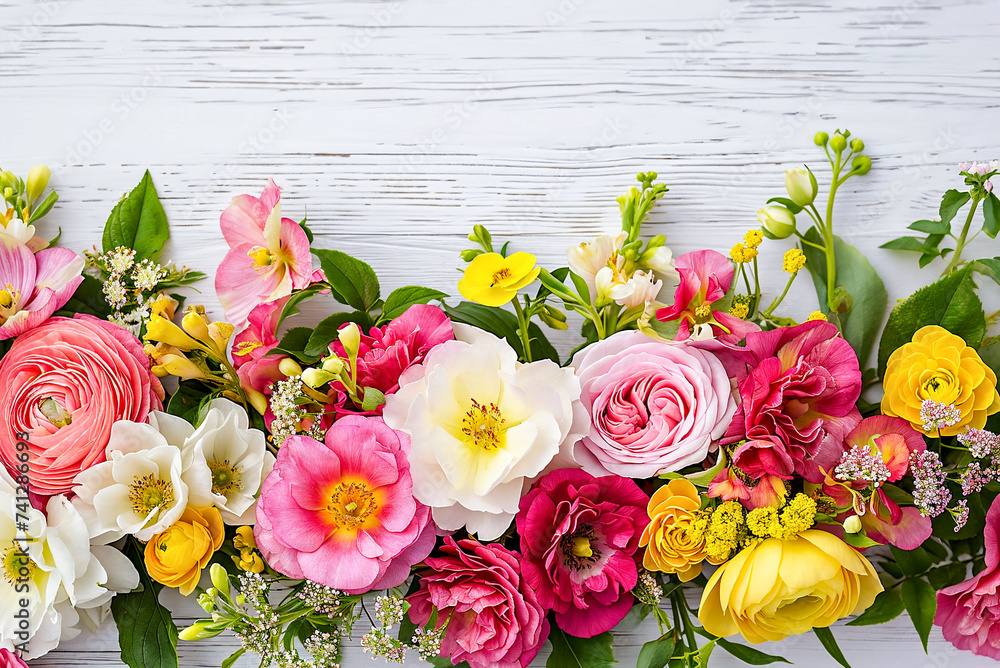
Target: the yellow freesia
(493, 280)
(778, 588)
(176, 556)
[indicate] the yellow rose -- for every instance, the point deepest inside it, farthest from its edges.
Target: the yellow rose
(176, 556)
(493, 280)
(671, 546)
(777, 588)
(938, 366)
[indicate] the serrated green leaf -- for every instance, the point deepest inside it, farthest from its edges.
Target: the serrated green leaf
(403, 298)
(354, 282)
(146, 631)
(829, 643)
(950, 302)
(749, 655)
(951, 202)
(991, 215)
(294, 343)
(920, 602)
(989, 267)
(887, 606)
(138, 222)
(656, 653)
(931, 227)
(572, 652)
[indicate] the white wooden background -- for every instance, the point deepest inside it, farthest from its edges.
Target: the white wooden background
(398, 125)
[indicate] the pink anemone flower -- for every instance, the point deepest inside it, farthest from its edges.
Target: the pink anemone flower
(33, 286)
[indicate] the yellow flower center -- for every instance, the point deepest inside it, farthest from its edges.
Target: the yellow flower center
(17, 566)
(58, 416)
(150, 493)
(244, 348)
(8, 302)
(351, 504)
(578, 549)
(483, 425)
(226, 478)
(262, 257)
(703, 311)
(500, 275)
(581, 547)
(939, 387)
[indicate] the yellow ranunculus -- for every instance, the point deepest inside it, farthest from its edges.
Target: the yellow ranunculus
(671, 546)
(493, 280)
(778, 588)
(939, 366)
(176, 556)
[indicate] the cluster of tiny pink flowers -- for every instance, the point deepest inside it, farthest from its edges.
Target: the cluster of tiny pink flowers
(930, 495)
(975, 478)
(961, 515)
(861, 463)
(936, 415)
(981, 443)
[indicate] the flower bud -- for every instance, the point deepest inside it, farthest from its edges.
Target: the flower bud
(256, 399)
(350, 338)
(777, 220)
(838, 143)
(289, 367)
(317, 377)
(801, 186)
(220, 579)
(38, 180)
(852, 524)
(857, 145)
(7, 181)
(333, 364)
(821, 139)
(842, 301)
(201, 630)
(195, 324)
(160, 329)
(861, 164)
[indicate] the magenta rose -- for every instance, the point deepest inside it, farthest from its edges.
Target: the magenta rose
(654, 407)
(62, 386)
(386, 352)
(496, 620)
(10, 660)
(579, 536)
(969, 612)
(798, 388)
(342, 512)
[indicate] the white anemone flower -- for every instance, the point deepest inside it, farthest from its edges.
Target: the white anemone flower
(483, 427)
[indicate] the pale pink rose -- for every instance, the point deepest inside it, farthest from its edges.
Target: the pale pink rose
(654, 406)
(62, 386)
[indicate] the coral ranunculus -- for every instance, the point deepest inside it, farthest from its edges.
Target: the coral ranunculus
(654, 407)
(938, 366)
(670, 545)
(63, 385)
(579, 535)
(496, 621)
(969, 612)
(176, 556)
(342, 513)
(778, 588)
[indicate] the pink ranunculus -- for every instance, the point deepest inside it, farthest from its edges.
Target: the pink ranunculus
(386, 352)
(10, 660)
(798, 388)
(654, 406)
(268, 257)
(579, 536)
(62, 386)
(33, 286)
(342, 513)
(969, 612)
(496, 620)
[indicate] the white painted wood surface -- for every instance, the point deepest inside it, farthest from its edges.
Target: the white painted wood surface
(398, 125)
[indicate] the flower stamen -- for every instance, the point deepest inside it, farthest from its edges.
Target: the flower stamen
(483, 425)
(150, 493)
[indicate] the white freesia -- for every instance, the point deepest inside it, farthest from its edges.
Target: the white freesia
(586, 259)
(661, 263)
(641, 288)
(482, 427)
(225, 462)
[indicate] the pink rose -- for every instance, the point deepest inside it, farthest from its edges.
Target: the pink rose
(10, 660)
(654, 406)
(64, 384)
(969, 612)
(579, 537)
(496, 621)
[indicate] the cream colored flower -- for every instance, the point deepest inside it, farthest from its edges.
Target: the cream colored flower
(586, 259)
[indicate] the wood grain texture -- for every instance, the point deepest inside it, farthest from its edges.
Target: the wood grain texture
(397, 125)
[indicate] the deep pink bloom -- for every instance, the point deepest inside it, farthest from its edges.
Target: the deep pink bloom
(260, 335)
(496, 620)
(268, 257)
(969, 612)
(579, 536)
(33, 286)
(10, 660)
(386, 352)
(798, 388)
(342, 513)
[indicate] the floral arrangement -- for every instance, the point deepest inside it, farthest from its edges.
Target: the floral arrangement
(434, 466)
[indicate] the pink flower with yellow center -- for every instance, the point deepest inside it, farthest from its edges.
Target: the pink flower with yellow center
(342, 513)
(33, 286)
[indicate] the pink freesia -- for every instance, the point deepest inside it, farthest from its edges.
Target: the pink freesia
(969, 612)
(654, 407)
(10, 660)
(260, 335)
(62, 387)
(579, 536)
(496, 620)
(33, 286)
(268, 257)
(798, 388)
(386, 352)
(342, 512)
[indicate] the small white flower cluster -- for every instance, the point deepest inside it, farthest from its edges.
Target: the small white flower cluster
(288, 414)
(428, 642)
(324, 600)
(389, 610)
(379, 643)
(127, 285)
(647, 590)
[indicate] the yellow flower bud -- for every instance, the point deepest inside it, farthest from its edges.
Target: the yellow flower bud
(795, 259)
(350, 338)
(181, 367)
(160, 329)
(817, 315)
(220, 333)
(38, 180)
(164, 306)
(196, 324)
(256, 399)
(852, 524)
(317, 377)
(244, 540)
(333, 364)
(289, 367)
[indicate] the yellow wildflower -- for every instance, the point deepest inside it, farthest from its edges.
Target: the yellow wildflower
(753, 238)
(493, 280)
(795, 259)
(817, 315)
(798, 515)
(739, 309)
(726, 532)
(737, 254)
(248, 559)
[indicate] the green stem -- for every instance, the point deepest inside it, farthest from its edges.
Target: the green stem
(956, 257)
(774, 304)
(809, 243)
(522, 329)
(827, 231)
(756, 286)
(678, 602)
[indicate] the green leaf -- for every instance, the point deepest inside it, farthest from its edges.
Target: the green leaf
(572, 652)
(991, 213)
(88, 298)
(825, 636)
(581, 287)
(326, 331)
(913, 562)
(991, 355)
(354, 282)
(989, 267)
(947, 575)
(859, 540)
(146, 632)
(186, 401)
(503, 324)
(403, 298)
(749, 655)
(951, 202)
(233, 658)
(292, 305)
(656, 653)
(905, 243)
(951, 302)
(861, 324)
(138, 222)
(921, 603)
(887, 606)
(294, 343)
(931, 227)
